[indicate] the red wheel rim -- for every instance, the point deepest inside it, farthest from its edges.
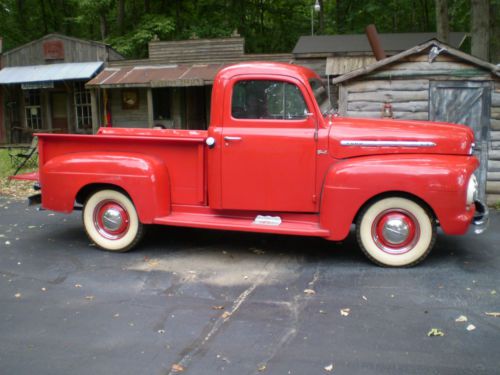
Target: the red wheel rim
(395, 231)
(111, 219)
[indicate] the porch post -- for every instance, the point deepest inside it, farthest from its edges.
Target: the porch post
(150, 107)
(95, 110)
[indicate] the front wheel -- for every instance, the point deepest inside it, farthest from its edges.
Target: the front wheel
(111, 221)
(396, 232)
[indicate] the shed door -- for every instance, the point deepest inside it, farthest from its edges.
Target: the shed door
(465, 103)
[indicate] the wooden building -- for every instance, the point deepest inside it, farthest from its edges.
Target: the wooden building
(171, 88)
(42, 86)
(432, 81)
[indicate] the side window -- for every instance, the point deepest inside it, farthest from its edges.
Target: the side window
(274, 100)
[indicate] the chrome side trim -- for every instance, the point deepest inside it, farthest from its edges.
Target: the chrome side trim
(353, 142)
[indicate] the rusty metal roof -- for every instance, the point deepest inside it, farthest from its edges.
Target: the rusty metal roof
(156, 76)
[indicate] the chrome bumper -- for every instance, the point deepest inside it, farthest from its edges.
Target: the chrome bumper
(481, 217)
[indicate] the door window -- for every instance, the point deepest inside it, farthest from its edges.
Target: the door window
(33, 109)
(272, 100)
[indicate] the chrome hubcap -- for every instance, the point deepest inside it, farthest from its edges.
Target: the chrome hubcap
(112, 219)
(396, 231)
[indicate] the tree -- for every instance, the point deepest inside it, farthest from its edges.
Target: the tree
(480, 28)
(442, 25)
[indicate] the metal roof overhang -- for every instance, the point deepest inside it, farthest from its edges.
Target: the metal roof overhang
(49, 73)
(156, 76)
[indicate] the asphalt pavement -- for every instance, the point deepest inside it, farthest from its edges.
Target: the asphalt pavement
(208, 302)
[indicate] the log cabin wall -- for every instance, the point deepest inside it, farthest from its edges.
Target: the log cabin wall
(406, 85)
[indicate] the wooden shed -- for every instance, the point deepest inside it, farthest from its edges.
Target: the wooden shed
(433, 81)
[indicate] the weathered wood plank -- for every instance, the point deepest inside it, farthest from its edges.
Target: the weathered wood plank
(492, 199)
(402, 85)
(424, 66)
(389, 96)
(495, 99)
(412, 106)
(495, 145)
(495, 124)
(494, 155)
(343, 97)
(493, 165)
(493, 176)
(493, 187)
(458, 73)
(495, 135)
(425, 58)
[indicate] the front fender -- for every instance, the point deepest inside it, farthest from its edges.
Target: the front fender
(438, 180)
(143, 177)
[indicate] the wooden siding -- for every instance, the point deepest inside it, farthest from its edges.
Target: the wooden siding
(200, 51)
(405, 84)
(75, 50)
(129, 118)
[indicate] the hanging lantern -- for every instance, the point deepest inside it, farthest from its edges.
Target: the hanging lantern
(387, 110)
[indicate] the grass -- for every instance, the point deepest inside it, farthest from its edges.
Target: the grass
(15, 189)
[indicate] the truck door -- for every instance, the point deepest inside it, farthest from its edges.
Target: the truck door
(268, 155)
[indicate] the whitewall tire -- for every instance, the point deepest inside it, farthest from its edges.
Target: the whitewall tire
(111, 221)
(396, 232)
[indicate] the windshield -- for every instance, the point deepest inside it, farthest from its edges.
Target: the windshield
(321, 95)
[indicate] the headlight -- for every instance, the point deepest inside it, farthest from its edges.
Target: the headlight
(472, 190)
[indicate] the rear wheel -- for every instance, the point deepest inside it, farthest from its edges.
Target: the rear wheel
(111, 221)
(396, 232)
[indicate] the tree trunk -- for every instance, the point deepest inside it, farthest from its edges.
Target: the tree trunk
(147, 6)
(442, 25)
(103, 26)
(120, 20)
(495, 32)
(321, 26)
(480, 27)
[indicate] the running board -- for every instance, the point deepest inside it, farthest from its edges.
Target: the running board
(243, 224)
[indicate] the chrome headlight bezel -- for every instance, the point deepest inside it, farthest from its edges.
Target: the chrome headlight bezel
(472, 190)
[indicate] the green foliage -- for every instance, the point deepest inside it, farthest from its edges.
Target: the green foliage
(267, 25)
(135, 43)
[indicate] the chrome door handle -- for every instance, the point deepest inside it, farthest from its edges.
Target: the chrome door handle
(232, 138)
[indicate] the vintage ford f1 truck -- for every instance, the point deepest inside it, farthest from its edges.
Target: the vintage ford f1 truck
(274, 159)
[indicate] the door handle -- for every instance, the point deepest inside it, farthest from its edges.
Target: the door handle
(227, 138)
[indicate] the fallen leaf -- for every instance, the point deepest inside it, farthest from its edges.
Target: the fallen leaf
(7, 243)
(78, 285)
(177, 368)
(217, 307)
(89, 298)
(116, 316)
(435, 332)
(461, 319)
(364, 297)
(493, 292)
(161, 331)
(471, 327)
(17, 295)
(44, 289)
(345, 312)
(322, 312)
(262, 368)
(309, 292)
(329, 368)
(493, 314)
(226, 315)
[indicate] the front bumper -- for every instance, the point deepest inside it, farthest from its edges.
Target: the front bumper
(481, 217)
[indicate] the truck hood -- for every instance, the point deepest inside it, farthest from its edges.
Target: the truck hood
(351, 137)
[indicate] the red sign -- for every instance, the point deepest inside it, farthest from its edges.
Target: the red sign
(53, 50)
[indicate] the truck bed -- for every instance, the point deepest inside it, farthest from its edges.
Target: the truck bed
(181, 151)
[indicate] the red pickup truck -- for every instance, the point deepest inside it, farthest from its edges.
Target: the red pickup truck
(275, 159)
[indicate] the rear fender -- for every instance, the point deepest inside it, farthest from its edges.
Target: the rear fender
(438, 180)
(144, 178)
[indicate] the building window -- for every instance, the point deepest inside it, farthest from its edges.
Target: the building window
(33, 109)
(273, 100)
(83, 107)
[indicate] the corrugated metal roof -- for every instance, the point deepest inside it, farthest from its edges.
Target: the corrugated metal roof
(50, 72)
(395, 42)
(156, 76)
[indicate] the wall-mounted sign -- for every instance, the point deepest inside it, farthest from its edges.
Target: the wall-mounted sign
(130, 99)
(53, 50)
(37, 85)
